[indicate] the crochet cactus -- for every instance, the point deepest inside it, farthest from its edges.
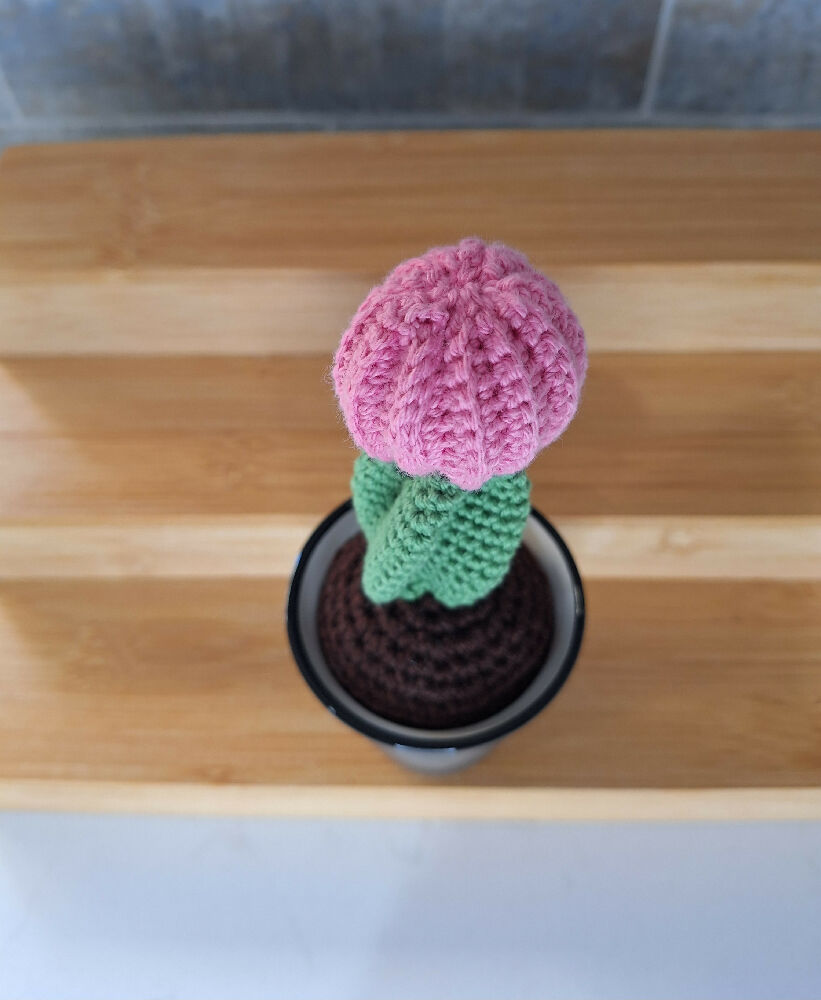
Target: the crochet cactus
(452, 375)
(426, 536)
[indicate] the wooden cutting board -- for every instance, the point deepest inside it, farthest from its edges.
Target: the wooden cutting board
(168, 439)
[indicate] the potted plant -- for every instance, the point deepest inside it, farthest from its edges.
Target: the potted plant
(437, 611)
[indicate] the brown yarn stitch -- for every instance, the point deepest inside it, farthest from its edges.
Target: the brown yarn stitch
(422, 664)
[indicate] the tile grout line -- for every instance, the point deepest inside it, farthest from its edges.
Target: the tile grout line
(656, 62)
(7, 97)
(329, 121)
(320, 119)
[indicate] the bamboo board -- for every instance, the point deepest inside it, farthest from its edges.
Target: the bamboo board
(168, 439)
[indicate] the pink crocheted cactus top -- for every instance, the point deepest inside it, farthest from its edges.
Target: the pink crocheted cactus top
(465, 361)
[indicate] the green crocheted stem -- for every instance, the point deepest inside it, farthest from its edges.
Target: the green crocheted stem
(425, 535)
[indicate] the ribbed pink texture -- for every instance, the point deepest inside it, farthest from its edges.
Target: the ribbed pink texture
(465, 361)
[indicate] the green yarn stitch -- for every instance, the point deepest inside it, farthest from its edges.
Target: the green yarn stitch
(425, 535)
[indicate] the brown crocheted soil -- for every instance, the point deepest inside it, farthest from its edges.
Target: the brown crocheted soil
(422, 664)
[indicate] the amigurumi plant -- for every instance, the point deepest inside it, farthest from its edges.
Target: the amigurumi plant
(452, 375)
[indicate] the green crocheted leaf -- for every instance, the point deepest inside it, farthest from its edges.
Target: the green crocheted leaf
(375, 486)
(425, 535)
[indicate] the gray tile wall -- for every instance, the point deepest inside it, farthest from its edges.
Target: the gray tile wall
(759, 56)
(86, 67)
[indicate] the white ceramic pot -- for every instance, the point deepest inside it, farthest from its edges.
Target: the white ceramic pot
(435, 751)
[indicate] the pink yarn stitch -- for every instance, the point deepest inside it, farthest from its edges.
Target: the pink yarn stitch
(465, 361)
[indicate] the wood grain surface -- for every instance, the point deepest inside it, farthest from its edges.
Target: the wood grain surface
(625, 307)
(168, 438)
(647, 547)
(102, 437)
(680, 685)
(362, 201)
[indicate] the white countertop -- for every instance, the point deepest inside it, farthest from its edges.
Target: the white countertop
(135, 907)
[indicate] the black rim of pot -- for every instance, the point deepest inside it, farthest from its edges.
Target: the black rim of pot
(387, 733)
